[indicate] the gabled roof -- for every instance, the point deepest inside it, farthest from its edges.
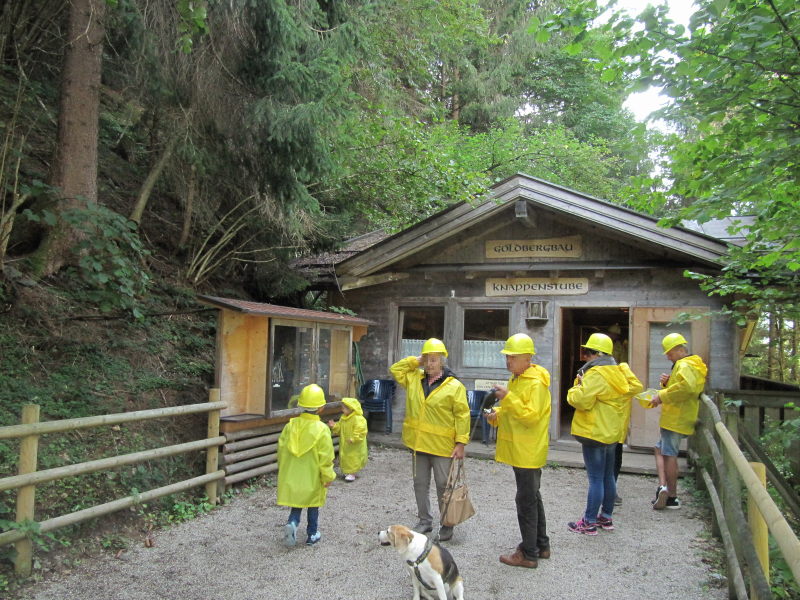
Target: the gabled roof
(622, 222)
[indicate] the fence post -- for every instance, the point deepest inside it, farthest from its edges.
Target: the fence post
(212, 454)
(730, 485)
(28, 456)
(758, 526)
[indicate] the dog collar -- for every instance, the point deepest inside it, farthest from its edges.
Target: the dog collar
(414, 564)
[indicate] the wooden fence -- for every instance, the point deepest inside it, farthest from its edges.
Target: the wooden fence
(28, 477)
(721, 467)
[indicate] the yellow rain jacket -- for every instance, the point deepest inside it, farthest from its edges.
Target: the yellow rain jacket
(681, 396)
(523, 420)
(434, 424)
(305, 462)
(352, 430)
(603, 403)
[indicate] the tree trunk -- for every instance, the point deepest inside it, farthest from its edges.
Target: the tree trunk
(74, 169)
(771, 348)
(187, 214)
(150, 182)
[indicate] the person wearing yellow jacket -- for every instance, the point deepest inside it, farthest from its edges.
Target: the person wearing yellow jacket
(305, 465)
(352, 432)
(522, 419)
(436, 426)
(679, 399)
(601, 396)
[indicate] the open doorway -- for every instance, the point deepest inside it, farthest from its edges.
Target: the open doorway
(577, 324)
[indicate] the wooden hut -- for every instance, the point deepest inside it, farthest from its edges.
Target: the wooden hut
(548, 261)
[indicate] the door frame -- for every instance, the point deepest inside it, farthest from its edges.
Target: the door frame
(644, 422)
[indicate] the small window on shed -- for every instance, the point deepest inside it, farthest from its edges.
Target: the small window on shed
(417, 324)
(485, 333)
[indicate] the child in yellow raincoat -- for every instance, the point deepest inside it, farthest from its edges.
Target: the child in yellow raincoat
(352, 431)
(305, 465)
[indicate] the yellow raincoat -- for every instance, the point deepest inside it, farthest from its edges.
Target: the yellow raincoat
(305, 462)
(603, 403)
(523, 420)
(434, 424)
(681, 396)
(352, 430)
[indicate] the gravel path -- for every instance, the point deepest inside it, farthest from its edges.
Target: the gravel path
(236, 551)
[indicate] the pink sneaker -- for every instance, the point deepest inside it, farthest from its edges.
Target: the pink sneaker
(583, 527)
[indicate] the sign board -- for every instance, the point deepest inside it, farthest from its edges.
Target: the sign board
(537, 286)
(485, 385)
(563, 247)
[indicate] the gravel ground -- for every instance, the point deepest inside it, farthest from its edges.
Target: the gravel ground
(236, 551)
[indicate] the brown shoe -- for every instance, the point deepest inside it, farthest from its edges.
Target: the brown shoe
(517, 559)
(544, 552)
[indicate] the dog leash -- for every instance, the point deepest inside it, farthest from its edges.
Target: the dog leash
(414, 564)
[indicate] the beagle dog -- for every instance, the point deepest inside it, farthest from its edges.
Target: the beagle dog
(433, 571)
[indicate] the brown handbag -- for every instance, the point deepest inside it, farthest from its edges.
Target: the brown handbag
(457, 506)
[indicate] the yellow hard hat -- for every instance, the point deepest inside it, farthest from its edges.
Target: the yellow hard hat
(671, 340)
(600, 342)
(434, 345)
(519, 343)
(312, 396)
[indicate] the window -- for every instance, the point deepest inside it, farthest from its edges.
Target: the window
(485, 333)
(301, 355)
(417, 324)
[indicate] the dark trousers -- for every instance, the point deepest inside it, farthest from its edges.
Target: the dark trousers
(617, 461)
(530, 512)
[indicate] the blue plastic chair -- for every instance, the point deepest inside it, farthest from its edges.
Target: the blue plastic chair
(376, 396)
(475, 399)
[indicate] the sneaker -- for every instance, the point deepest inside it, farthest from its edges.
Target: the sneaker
(661, 498)
(618, 500)
(290, 534)
(605, 523)
(673, 503)
(349, 477)
(583, 527)
(313, 539)
(421, 527)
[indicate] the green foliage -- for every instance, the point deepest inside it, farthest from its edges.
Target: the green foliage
(777, 439)
(735, 83)
(110, 266)
(781, 579)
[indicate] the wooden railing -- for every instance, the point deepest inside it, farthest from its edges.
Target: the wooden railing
(722, 467)
(28, 477)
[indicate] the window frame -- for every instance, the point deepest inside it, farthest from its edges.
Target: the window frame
(315, 328)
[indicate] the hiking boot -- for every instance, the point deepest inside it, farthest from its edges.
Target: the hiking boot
(582, 527)
(422, 527)
(445, 534)
(313, 538)
(517, 559)
(544, 552)
(673, 503)
(605, 523)
(290, 534)
(661, 498)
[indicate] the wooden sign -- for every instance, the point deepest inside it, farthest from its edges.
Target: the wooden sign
(563, 247)
(541, 286)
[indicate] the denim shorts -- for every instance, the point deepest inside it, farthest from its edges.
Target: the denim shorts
(670, 442)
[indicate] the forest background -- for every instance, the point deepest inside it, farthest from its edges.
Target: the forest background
(152, 150)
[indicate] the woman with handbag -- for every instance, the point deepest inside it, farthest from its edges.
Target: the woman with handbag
(436, 426)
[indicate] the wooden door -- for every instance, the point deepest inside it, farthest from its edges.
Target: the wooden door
(648, 327)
